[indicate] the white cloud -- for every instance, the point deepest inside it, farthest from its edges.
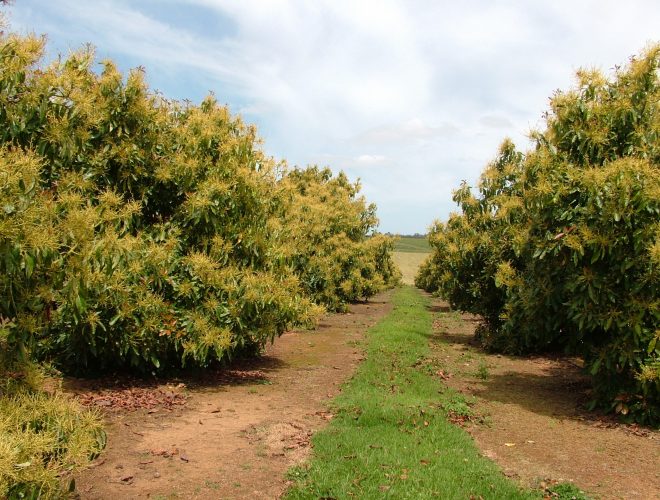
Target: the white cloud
(495, 121)
(426, 89)
(414, 129)
(370, 159)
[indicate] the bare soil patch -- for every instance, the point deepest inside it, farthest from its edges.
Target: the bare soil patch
(233, 433)
(530, 418)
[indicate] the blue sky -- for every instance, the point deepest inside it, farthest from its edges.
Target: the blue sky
(410, 96)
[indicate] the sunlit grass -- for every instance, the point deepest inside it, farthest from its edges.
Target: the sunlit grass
(390, 437)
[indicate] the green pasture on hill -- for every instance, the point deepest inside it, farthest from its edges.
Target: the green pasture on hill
(410, 244)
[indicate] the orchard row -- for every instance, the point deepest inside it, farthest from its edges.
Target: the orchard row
(558, 248)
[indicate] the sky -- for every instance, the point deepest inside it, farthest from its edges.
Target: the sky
(409, 96)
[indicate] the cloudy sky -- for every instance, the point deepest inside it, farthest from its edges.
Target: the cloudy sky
(410, 96)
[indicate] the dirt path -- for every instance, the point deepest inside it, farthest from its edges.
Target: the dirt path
(535, 426)
(240, 431)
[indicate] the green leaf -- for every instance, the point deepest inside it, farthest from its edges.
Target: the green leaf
(80, 303)
(29, 265)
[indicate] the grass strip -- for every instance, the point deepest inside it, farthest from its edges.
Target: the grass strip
(390, 437)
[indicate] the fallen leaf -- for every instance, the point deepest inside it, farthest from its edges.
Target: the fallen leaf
(509, 444)
(159, 452)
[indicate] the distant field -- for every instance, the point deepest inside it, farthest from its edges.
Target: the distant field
(408, 262)
(408, 244)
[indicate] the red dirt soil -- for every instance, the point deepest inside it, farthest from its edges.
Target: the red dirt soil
(536, 427)
(234, 434)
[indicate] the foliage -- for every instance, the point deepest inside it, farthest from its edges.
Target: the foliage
(43, 437)
(331, 245)
(139, 232)
(560, 247)
(478, 240)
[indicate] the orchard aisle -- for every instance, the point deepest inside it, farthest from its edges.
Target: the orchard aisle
(244, 427)
(528, 416)
(236, 439)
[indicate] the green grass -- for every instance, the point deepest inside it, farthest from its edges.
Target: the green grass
(390, 437)
(409, 244)
(565, 491)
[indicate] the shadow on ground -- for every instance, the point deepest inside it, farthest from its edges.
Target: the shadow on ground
(559, 391)
(239, 372)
